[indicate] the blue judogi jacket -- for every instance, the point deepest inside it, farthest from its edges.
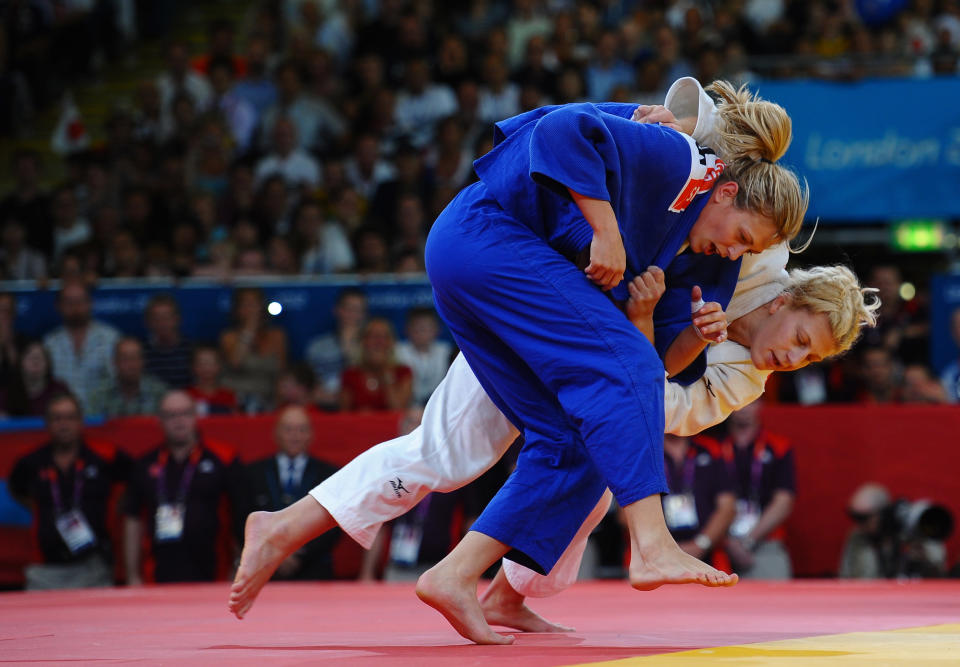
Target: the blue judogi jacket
(657, 181)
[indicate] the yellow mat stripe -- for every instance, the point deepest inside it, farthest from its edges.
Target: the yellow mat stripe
(911, 647)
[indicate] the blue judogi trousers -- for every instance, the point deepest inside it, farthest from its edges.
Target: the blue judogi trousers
(563, 364)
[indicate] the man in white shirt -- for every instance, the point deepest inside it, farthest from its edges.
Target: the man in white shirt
(82, 349)
(180, 77)
(318, 123)
(426, 356)
(422, 103)
(297, 167)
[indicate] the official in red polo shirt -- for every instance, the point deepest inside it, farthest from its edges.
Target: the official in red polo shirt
(761, 465)
(68, 483)
(175, 495)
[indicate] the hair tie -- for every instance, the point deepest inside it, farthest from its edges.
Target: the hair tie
(765, 160)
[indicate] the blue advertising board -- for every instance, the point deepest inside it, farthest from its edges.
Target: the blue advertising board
(307, 306)
(882, 149)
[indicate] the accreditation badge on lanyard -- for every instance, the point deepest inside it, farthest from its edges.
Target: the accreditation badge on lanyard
(408, 535)
(748, 509)
(168, 520)
(680, 509)
(71, 524)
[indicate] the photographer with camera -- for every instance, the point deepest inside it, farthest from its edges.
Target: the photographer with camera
(894, 538)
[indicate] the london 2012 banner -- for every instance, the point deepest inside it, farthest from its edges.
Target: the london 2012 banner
(875, 150)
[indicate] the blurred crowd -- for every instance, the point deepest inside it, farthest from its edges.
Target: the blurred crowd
(328, 137)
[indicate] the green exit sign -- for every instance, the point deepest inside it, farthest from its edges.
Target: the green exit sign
(918, 235)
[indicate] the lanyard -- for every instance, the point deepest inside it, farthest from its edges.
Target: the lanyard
(185, 479)
(54, 476)
(688, 471)
(756, 468)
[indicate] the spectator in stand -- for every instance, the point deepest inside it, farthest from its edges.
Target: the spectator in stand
(69, 228)
(273, 207)
(606, 70)
(151, 120)
(125, 259)
(210, 397)
(240, 197)
(878, 377)
(323, 245)
(453, 60)
(373, 254)
(377, 382)
(250, 262)
(702, 500)
(68, 483)
(27, 202)
(365, 169)
(11, 341)
(82, 348)
(410, 234)
(257, 87)
(950, 376)
(167, 354)
(319, 126)
(761, 467)
(451, 160)
(499, 97)
(421, 103)
(919, 386)
(534, 70)
(331, 353)
(239, 114)
(18, 261)
(409, 262)
(284, 478)
(281, 258)
(130, 392)
(297, 385)
(410, 176)
(902, 327)
(28, 390)
(254, 351)
(297, 167)
(528, 19)
(178, 77)
(220, 37)
(174, 498)
(426, 356)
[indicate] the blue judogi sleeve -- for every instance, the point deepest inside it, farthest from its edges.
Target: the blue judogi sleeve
(716, 277)
(573, 148)
(504, 128)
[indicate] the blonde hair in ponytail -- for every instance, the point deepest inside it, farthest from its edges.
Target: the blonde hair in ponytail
(752, 134)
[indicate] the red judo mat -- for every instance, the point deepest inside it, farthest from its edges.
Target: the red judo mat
(357, 624)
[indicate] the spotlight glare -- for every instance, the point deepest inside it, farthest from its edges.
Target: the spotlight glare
(274, 308)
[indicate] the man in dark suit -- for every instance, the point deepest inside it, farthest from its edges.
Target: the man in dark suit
(286, 477)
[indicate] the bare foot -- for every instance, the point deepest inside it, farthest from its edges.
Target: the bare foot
(502, 605)
(456, 599)
(259, 560)
(670, 564)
